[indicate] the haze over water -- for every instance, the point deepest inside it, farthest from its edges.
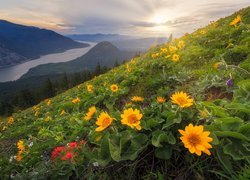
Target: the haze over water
(15, 72)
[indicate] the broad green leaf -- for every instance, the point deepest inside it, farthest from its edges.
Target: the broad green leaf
(245, 130)
(225, 161)
(159, 137)
(104, 153)
(231, 134)
(164, 152)
(229, 123)
(171, 138)
(236, 150)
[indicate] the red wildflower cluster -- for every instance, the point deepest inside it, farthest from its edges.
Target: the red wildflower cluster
(67, 152)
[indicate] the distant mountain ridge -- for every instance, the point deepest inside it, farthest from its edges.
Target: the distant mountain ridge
(99, 37)
(123, 42)
(104, 53)
(30, 42)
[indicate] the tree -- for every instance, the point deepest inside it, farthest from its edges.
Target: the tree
(64, 82)
(48, 89)
(25, 99)
(97, 69)
(116, 64)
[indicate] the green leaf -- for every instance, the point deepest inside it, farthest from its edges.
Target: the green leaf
(215, 139)
(224, 160)
(125, 146)
(137, 145)
(151, 123)
(171, 119)
(229, 123)
(164, 152)
(245, 130)
(236, 150)
(104, 153)
(159, 137)
(171, 138)
(231, 134)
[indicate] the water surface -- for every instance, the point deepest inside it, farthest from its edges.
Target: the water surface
(15, 72)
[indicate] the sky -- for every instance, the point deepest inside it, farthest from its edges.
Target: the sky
(128, 17)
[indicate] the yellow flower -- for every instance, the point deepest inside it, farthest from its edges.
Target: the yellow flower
(76, 100)
(168, 56)
(98, 138)
(20, 146)
(203, 113)
(47, 119)
(203, 32)
(132, 118)
(128, 68)
(48, 102)
(182, 99)
(90, 88)
(114, 88)
(216, 65)
(161, 99)
(10, 120)
(175, 58)
(236, 21)
(196, 140)
(4, 128)
(62, 113)
(36, 113)
(164, 50)
(19, 156)
(172, 49)
(137, 99)
(103, 121)
(181, 44)
(155, 55)
(128, 104)
(90, 114)
(215, 24)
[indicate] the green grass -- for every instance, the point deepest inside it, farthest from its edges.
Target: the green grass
(156, 151)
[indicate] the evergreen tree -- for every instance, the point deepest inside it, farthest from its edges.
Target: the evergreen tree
(25, 99)
(97, 69)
(64, 82)
(48, 89)
(116, 64)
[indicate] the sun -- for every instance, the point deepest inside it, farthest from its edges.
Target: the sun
(158, 19)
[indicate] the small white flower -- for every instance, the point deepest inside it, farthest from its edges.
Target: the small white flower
(30, 144)
(95, 164)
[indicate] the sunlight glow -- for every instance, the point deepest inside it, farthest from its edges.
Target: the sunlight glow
(158, 19)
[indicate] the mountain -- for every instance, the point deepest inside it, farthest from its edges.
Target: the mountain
(32, 42)
(8, 57)
(104, 53)
(191, 118)
(123, 42)
(98, 37)
(142, 44)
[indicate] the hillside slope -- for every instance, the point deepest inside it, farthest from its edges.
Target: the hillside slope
(64, 138)
(32, 42)
(104, 53)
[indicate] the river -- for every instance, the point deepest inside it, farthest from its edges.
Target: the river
(15, 72)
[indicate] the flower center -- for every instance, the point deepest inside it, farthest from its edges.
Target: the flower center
(106, 122)
(194, 139)
(181, 100)
(132, 119)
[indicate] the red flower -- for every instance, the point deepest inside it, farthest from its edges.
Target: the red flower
(68, 155)
(73, 145)
(56, 151)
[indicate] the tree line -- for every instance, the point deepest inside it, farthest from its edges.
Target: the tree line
(26, 98)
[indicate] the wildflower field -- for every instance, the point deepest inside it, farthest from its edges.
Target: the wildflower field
(181, 110)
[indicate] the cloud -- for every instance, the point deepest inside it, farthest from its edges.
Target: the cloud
(115, 16)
